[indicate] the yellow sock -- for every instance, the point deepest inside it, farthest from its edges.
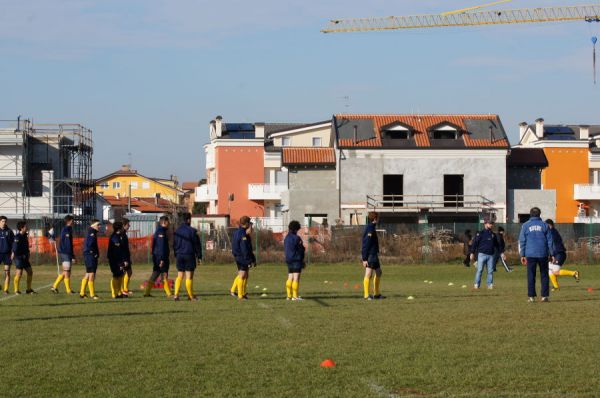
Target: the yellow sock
(29, 280)
(92, 288)
(288, 288)
(564, 272)
(189, 287)
(177, 285)
(113, 284)
(58, 280)
(6, 283)
(166, 287)
(376, 281)
(126, 283)
(554, 281)
(235, 284)
(84, 283)
(121, 280)
(148, 288)
(16, 282)
(295, 286)
(366, 287)
(68, 285)
(240, 288)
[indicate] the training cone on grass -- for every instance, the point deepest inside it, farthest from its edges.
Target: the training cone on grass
(328, 363)
(590, 289)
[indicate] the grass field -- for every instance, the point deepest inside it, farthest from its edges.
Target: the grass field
(448, 341)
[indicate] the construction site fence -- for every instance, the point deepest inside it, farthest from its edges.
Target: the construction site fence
(399, 243)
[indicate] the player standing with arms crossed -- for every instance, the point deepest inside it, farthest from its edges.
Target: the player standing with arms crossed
(128, 271)
(370, 258)
(160, 257)
(186, 245)
(67, 257)
(244, 257)
(294, 257)
(7, 238)
(116, 260)
(21, 257)
(90, 259)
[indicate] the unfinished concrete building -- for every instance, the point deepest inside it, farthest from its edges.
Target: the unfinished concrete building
(46, 171)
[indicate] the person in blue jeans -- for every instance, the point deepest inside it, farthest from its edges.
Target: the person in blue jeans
(485, 244)
(535, 246)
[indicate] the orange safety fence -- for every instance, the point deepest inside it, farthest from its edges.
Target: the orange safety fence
(42, 245)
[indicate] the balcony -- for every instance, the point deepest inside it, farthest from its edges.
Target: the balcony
(265, 191)
(275, 224)
(587, 192)
(432, 203)
(206, 193)
(587, 220)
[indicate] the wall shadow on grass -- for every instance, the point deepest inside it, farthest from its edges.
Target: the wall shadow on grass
(122, 314)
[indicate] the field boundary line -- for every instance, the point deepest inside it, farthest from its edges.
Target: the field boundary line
(17, 295)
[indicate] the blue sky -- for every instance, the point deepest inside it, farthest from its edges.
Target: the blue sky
(148, 75)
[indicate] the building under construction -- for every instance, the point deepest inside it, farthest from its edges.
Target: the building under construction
(46, 171)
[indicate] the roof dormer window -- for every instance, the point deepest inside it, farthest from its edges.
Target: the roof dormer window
(396, 131)
(444, 131)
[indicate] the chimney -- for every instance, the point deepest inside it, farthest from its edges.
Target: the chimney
(219, 126)
(259, 130)
(125, 167)
(584, 132)
(522, 130)
(539, 128)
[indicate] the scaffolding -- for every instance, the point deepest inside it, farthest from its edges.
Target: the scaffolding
(46, 171)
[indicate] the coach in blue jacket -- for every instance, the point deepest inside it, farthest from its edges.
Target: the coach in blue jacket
(535, 246)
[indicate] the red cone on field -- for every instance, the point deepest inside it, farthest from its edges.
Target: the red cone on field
(590, 289)
(357, 286)
(328, 363)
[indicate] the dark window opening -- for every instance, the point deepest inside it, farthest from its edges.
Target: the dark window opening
(444, 135)
(396, 134)
(454, 190)
(393, 190)
(523, 218)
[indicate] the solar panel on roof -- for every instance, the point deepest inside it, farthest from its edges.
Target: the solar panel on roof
(249, 127)
(558, 130)
(562, 137)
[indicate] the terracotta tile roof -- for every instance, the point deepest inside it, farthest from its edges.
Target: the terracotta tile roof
(189, 185)
(314, 156)
(420, 125)
(144, 205)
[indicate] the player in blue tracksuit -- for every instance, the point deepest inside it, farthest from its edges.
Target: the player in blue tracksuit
(116, 259)
(128, 271)
(66, 255)
(484, 248)
(294, 257)
(535, 246)
(160, 257)
(241, 248)
(370, 257)
(186, 245)
(90, 259)
(7, 237)
(20, 251)
(560, 257)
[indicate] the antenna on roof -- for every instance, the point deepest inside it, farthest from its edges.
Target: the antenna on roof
(129, 158)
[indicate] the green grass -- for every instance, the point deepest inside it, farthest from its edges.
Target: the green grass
(448, 341)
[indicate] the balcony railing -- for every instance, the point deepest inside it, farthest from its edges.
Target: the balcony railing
(275, 224)
(587, 192)
(206, 193)
(587, 220)
(265, 191)
(440, 203)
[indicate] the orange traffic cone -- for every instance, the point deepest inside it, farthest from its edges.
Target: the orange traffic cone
(328, 363)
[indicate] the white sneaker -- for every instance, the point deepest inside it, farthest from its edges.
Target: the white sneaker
(476, 287)
(490, 287)
(531, 300)
(297, 299)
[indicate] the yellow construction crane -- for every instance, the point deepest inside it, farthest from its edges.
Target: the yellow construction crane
(466, 17)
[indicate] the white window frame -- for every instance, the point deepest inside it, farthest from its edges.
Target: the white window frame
(134, 185)
(145, 185)
(116, 185)
(104, 185)
(317, 141)
(286, 141)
